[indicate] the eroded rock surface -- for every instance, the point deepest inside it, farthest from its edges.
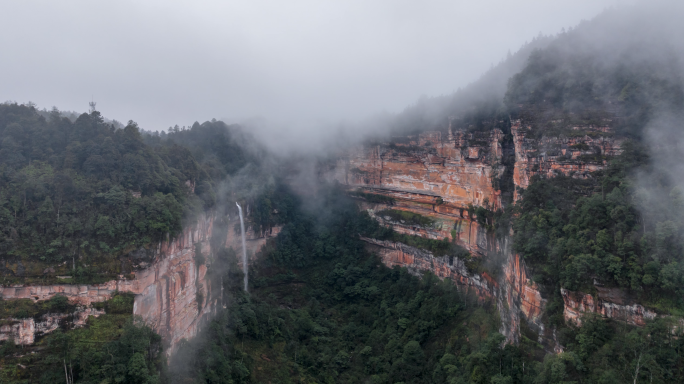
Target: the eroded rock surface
(439, 175)
(576, 156)
(609, 303)
(418, 260)
(517, 297)
(25, 331)
(456, 169)
(466, 232)
(175, 294)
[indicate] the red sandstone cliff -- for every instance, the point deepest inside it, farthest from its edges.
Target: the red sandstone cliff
(458, 169)
(166, 293)
(438, 177)
(609, 302)
(587, 151)
(517, 297)
(468, 233)
(418, 260)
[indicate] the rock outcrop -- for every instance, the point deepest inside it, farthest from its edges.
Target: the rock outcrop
(521, 299)
(585, 150)
(440, 175)
(175, 294)
(417, 261)
(25, 331)
(609, 302)
(516, 296)
(443, 173)
(467, 233)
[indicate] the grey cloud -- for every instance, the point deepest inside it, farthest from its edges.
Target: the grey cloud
(164, 63)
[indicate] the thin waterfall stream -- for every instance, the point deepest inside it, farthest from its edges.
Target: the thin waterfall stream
(244, 247)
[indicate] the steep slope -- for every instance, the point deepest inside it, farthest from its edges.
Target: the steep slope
(445, 179)
(89, 210)
(567, 114)
(174, 294)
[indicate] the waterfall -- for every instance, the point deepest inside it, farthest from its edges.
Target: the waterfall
(244, 247)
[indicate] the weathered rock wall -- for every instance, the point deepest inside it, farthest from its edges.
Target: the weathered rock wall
(576, 156)
(25, 331)
(519, 300)
(447, 174)
(468, 233)
(457, 169)
(609, 303)
(417, 261)
(439, 177)
(517, 297)
(174, 295)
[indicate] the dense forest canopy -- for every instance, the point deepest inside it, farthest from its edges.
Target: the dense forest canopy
(87, 188)
(324, 309)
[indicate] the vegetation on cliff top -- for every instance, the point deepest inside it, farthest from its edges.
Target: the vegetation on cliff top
(617, 69)
(608, 237)
(67, 187)
(25, 308)
(74, 195)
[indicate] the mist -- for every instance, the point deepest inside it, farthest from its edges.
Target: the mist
(327, 124)
(301, 67)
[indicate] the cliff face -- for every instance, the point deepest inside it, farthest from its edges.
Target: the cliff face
(517, 298)
(584, 150)
(25, 331)
(438, 177)
(609, 302)
(457, 169)
(445, 174)
(418, 260)
(521, 300)
(468, 233)
(175, 294)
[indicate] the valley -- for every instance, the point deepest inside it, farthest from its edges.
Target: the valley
(527, 228)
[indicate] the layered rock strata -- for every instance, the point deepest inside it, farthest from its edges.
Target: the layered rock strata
(517, 298)
(174, 295)
(467, 233)
(609, 303)
(578, 155)
(440, 177)
(25, 331)
(445, 172)
(417, 261)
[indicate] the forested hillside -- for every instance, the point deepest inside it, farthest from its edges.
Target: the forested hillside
(621, 227)
(322, 305)
(324, 309)
(94, 193)
(86, 190)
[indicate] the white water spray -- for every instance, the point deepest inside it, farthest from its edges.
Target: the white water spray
(244, 247)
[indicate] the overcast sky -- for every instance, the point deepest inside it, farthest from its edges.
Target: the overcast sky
(162, 63)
